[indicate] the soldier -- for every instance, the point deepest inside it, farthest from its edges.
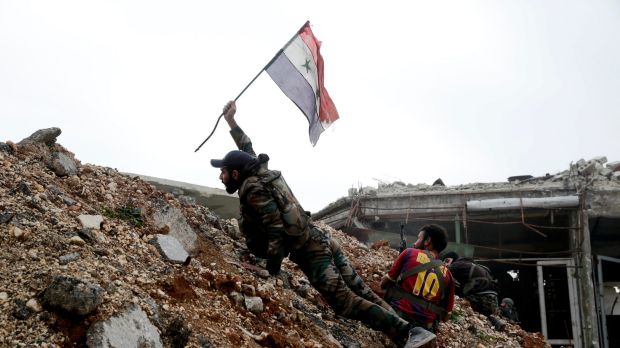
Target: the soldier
(276, 226)
(476, 284)
(508, 310)
(419, 286)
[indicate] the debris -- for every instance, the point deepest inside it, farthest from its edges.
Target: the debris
(104, 273)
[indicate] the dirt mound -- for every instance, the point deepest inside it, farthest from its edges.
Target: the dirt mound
(221, 297)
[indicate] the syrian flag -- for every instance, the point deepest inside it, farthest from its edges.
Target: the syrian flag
(298, 70)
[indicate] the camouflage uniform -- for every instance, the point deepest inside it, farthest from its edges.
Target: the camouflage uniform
(484, 303)
(476, 284)
(275, 226)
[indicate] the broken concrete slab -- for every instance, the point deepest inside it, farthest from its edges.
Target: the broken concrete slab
(131, 328)
(174, 220)
(170, 248)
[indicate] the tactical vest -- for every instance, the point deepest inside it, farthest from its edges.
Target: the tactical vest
(295, 220)
(396, 291)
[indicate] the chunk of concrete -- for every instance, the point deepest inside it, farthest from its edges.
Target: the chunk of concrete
(170, 248)
(174, 220)
(614, 166)
(91, 221)
(606, 172)
(599, 159)
(62, 164)
(131, 328)
(588, 168)
(254, 304)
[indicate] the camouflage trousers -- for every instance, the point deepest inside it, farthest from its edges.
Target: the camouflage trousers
(330, 273)
(485, 303)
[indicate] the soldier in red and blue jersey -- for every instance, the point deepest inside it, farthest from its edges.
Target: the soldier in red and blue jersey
(419, 286)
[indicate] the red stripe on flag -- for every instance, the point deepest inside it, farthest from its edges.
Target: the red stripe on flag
(327, 109)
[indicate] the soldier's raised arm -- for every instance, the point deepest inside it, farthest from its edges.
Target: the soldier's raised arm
(241, 139)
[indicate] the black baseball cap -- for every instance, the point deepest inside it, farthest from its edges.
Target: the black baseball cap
(234, 159)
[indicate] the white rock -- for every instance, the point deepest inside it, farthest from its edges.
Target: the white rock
(75, 240)
(17, 232)
(91, 221)
(3, 296)
(33, 305)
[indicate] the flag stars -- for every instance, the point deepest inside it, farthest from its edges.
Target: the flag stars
(307, 65)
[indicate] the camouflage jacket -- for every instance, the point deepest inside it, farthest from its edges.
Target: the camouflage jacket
(272, 220)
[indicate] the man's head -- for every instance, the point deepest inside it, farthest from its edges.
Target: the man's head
(233, 167)
(507, 302)
(432, 237)
(450, 257)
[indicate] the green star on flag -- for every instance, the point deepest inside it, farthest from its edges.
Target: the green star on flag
(307, 65)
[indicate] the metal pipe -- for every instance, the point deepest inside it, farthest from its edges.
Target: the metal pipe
(517, 203)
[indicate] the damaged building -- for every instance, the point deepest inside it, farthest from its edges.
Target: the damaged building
(551, 241)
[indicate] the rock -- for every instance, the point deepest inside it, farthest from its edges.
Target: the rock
(254, 304)
(62, 164)
(303, 290)
(87, 235)
(232, 227)
(3, 297)
(18, 232)
(5, 147)
(65, 259)
(33, 305)
(91, 221)
(75, 240)
(614, 166)
(45, 136)
(237, 298)
(72, 295)
(266, 288)
(588, 168)
(20, 311)
(69, 200)
(6, 217)
(131, 328)
(166, 215)
(248, 289)
(599, 159)
(606, 172)
(170, 248)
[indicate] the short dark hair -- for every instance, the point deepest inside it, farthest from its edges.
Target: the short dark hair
(451, 255)
(437, 234)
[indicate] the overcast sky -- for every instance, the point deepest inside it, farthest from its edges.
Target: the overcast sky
(469, 91)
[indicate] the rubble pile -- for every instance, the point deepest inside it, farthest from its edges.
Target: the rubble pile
(596, 172)
(92, 257)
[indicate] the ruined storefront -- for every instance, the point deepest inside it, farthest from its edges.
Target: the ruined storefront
(551, 241)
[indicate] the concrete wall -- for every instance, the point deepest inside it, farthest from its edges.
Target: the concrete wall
(217, 200)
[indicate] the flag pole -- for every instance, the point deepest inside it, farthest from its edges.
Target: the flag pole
(254, 79)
